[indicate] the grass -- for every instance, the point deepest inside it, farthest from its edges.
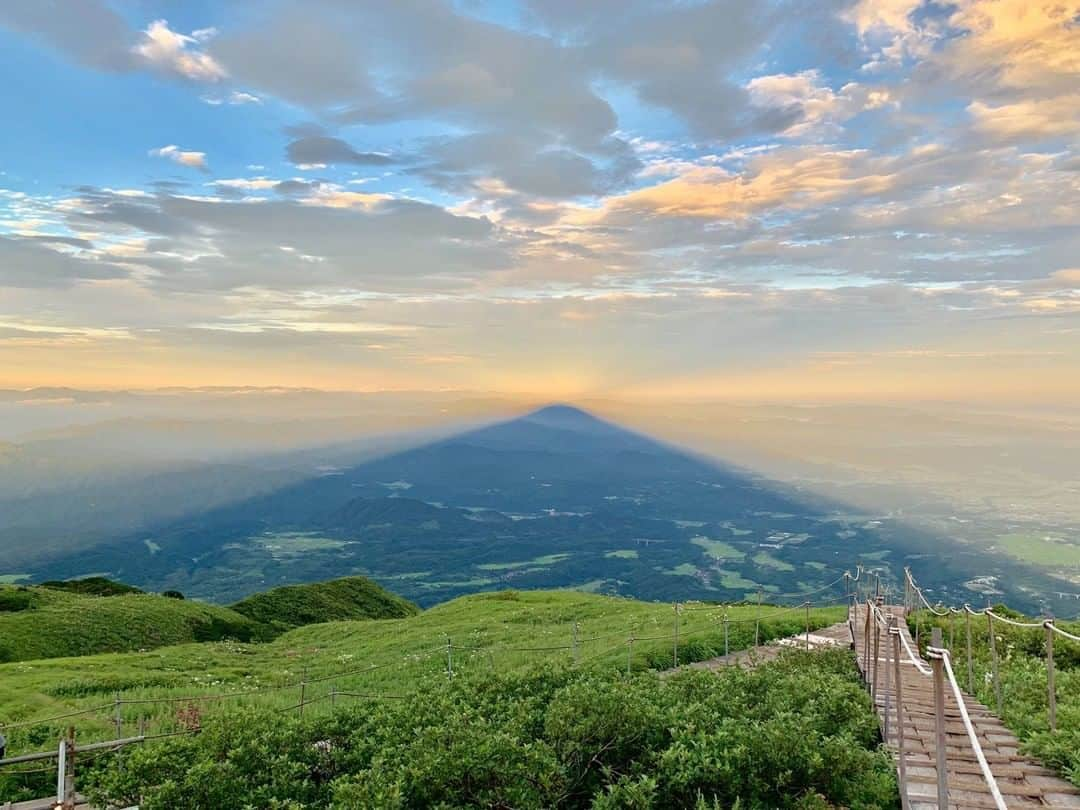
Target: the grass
(682, 570)
(766, 559)
(336, 600)
(286, 545)
(47, 623)
(735, 580)
(504, 631)
(718, 549)
(1054, 552)
(547, 559)
(89, 616)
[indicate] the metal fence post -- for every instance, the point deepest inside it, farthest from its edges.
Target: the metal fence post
(994, 662)
(675, 654)
(449, 658)
(629, 653)
(935, 654)
(894, 631)
(725, 636)
(575, 642)
(303, 693)
(971, 672)
(1051, 694)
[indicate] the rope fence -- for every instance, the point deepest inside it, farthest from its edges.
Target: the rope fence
(940, 670)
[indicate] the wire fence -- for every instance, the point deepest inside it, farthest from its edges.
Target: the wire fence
(173, 715)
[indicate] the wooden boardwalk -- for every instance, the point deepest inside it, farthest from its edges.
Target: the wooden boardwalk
(1023, 782)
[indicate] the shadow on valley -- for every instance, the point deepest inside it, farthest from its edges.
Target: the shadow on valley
(555, 498)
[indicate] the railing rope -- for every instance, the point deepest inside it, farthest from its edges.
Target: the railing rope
(988, 775)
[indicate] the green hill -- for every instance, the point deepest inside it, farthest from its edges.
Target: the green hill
(97, 615)
(344, 599)
(539, 712)
(47, 622)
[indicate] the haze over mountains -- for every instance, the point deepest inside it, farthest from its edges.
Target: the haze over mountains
(555, 498)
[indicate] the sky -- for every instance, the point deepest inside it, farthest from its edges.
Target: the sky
(797, 200)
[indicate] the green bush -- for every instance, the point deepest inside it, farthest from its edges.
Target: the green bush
(795, 733)
(336, 600)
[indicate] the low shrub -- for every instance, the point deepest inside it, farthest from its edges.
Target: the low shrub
(798, 732)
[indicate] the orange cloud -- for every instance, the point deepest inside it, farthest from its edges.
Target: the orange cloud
(798, 178)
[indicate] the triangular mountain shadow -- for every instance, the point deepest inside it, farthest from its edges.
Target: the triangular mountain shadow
(554, 498)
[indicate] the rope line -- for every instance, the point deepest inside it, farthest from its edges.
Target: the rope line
(999, 800)
(1061, 632)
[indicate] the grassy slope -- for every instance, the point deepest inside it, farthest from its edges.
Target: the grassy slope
(336, 600)
(54, 623)
(494, 626)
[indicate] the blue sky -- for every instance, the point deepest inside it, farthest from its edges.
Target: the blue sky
(862, 199)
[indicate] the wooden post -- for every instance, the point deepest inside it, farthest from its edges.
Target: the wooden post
(935, 656)
(866, 645)
(894, 630)
(67, 800)
(1051, 694)
(757, 621)
(725, 636)
(142, 726)
(971, 671)
(575, 643)
(303, 692)
(952, 630)
(808, 627)
(994, 662)
(118, 720)
(449, 658)
(629, 653)
(888, 676)
(675, 654)
(877, 648)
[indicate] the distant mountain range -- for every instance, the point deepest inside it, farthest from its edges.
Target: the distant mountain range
(555, 498)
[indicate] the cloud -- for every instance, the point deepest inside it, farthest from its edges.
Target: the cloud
(193, 160)
(167, 51)
(327, 62)
(325, 150)
(820, 110)
(235, 98)
(1033, 120)
(89, 31)
(321, 237)
(34, 263)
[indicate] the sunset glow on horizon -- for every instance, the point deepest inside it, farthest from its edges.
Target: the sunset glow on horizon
(872, 201)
